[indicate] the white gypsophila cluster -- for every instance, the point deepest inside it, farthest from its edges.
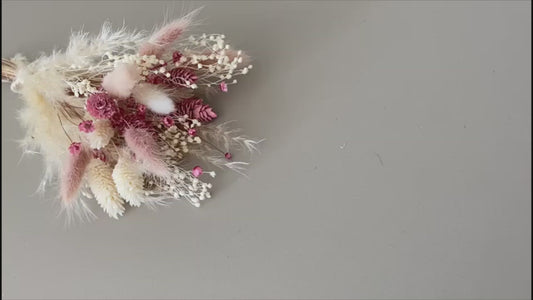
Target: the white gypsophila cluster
(182, 184)
(145, 63)
(212, 58)
(82, 88)
(82, 80)
(177, 140)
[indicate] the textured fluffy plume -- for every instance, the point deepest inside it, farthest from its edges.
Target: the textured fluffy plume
(100, 180)
(222, 137)
(129, 179)
(82, 46)
(102, 134)
(72, 175)
(163, 38)
(155, 99)
(45, 129)
(121, 80)
(146, 150)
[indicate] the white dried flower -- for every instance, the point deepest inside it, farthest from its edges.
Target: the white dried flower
(102, 134)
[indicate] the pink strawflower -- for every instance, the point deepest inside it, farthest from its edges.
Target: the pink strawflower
(228, 156)
(191, 132)
(141, 108)
(137, 121)
(86, 126)
(130, 115)
(101, 106)
(168, 121)
(74, 148)
(196, 109)
(197, 171)
(223, 87)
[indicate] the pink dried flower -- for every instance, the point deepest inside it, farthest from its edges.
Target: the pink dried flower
(197, 171)
(141, 108)
(180, 77)
(130, 116)
(191, 132)
(176, 56)
(168, 121)
(101, 106)
(72, 173)
(74, 148)
(223, 87)
(86, 126)
(99, 154)
(137, 121)
(204, 113)
(155, 78)
(196, 109)
(228, 156)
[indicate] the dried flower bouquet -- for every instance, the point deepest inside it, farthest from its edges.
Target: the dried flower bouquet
(116, 115)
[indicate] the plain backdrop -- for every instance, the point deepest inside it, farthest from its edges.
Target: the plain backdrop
(396, 164)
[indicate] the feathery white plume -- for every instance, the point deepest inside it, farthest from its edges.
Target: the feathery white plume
(129, 179)
(121, 80)
(155, 99)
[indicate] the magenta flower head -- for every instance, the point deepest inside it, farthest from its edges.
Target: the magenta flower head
(141, 108)
(197, 171)
(86, 126)
(99, 154)
(196, 109)
(101, 106)
(228, 156)
(168, 121)
(155, 78)
(176, 56)
(223, 87)
(74, 148)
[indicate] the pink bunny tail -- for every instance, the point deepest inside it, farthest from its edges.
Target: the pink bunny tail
(72, 175)
(146, 150)
(159, 42)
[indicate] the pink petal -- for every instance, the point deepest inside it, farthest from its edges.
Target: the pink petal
(223, 87)
(197, 171)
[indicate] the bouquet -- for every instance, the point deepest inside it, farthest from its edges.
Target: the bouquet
(116, 116)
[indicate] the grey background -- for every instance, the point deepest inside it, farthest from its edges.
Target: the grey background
(397, 160)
